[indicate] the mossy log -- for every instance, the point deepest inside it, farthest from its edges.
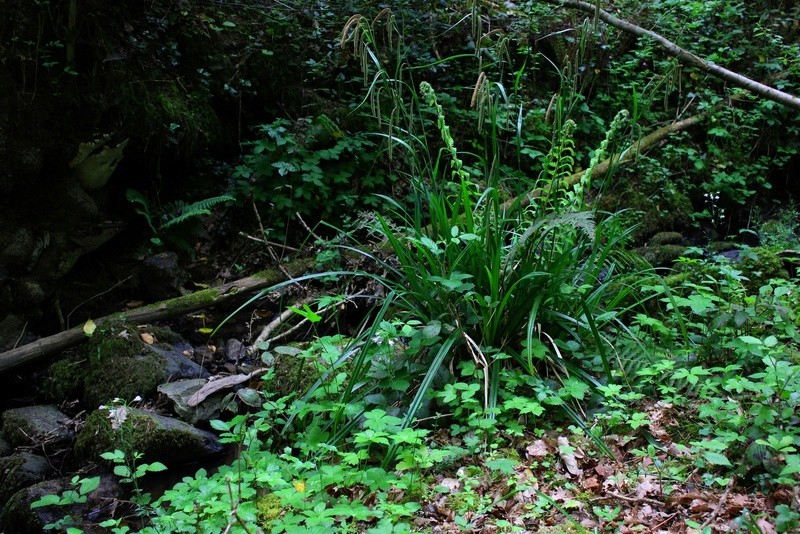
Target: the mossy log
(198, 300)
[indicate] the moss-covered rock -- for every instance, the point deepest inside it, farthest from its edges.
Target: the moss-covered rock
(21, 470)
(653, 207)
(122, 366)
(42, 426)
(665, 238)
(157, 437)
(759, 265)
(18, 516)
(64, 380)
(661, 255)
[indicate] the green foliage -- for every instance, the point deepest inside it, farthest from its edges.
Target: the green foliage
(81, 487)
(309, 167)
(171, 223)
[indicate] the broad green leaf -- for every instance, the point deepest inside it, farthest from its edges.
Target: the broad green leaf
(716, 458)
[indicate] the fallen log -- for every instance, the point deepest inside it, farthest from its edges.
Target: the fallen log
(198, 300)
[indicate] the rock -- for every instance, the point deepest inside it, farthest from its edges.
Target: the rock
(157, 437)
(162, 276)
(181, 391)
(661, 255)
(178, 365)
(19, 518)
(29, 293)
(11, 328)
(18, 249)
(42, 425)
(665, 238)
(21, 470)
(122, 366)
(235, 350)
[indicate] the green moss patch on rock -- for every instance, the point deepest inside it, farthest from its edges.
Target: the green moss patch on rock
(43, 425)
(661, 255)
(760, 265)
(122, 366)
(20, 471)
(64, 380)
(157, 437)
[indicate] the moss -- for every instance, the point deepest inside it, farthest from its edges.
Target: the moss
(16, 428)
(269, 508)
(661, 255)
(120, 365)
(123, 377)
(140, 432)
(95, 437)
(64, 380)
(294, 374)
(666, 238)
(759, 265)
(669, 213)
(195, 300)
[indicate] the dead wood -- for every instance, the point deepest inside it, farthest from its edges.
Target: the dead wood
(198, 300)
(683, 55)
(637, 147)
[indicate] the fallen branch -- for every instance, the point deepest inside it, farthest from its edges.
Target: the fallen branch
(637, 147)
(158, 311)
(683, 55)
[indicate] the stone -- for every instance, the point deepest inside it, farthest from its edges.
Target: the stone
(5, 448)
(180, 391)
(665, 238)
(162, 276)
(157, 437)
(178, 365)
(18, 516)
(43, 425)
(21, 470)
(121, 365)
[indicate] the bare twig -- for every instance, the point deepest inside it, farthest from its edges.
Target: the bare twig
(267, 330)
(112, 288)
(309, 230)
(268, 242)
(720, 504)
(22, 333)
(269, 248)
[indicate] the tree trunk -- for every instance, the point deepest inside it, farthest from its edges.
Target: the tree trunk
(155, 312)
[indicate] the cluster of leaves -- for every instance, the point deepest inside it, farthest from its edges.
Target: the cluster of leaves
(309, 167)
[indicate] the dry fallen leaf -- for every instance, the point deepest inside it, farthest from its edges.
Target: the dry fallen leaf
(537, 449)
(567, 453)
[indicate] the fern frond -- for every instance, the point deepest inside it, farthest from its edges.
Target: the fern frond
(196, 209)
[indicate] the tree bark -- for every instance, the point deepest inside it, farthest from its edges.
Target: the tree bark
(684, 56)
(155, 312)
